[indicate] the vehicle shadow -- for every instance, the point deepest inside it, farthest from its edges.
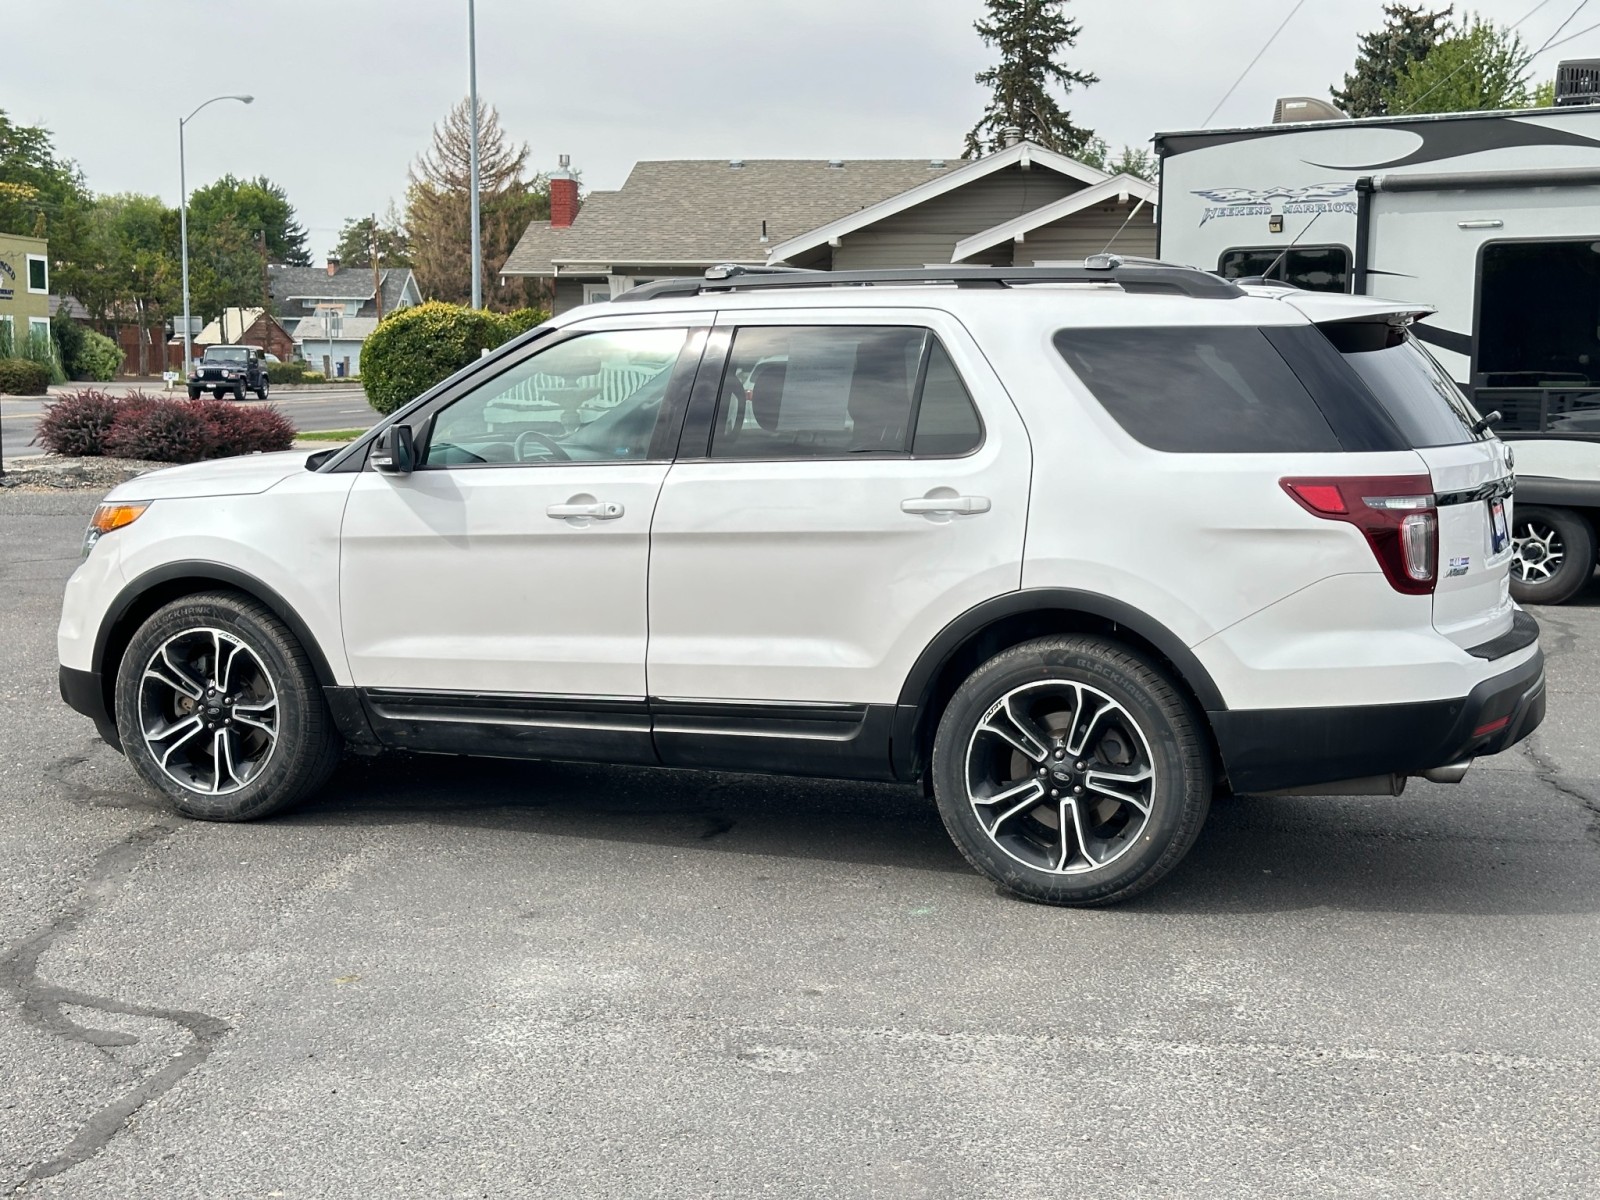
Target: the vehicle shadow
(1436, 852)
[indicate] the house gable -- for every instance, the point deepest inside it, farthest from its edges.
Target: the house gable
(1052, 174)
(1073, 227)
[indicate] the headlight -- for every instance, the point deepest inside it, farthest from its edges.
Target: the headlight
(109, 517)
(229, 374)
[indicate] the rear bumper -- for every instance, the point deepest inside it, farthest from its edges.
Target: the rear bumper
(1271, 749)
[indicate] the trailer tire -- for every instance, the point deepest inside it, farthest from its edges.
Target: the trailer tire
(1553, 554)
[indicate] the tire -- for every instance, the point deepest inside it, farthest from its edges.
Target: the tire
(238, 393)
(261, 392)
(1554, 554)
(195, 393)
(1140, 727)
(274, 743)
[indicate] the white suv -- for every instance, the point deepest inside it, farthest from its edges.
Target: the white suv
(1072, 548)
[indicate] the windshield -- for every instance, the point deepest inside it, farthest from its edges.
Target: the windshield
(227, 354)
(1422, 400)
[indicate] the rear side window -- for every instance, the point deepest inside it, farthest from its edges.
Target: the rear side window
(1198, 389)
(1421, 399)
(835, 390)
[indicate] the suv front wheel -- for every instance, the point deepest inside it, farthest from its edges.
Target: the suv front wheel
(219, 709)
(1070, 771)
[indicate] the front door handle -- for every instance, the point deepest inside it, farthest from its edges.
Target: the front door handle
(942, 505)
(605, 510)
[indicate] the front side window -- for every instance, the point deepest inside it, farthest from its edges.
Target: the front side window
(592, 398)
(1198, 389)
(1310, 268)
(831, 391)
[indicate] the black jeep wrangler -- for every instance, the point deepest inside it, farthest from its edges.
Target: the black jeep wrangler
(233, 369)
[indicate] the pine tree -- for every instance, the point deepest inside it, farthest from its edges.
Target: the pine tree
(1030, 35)
(1409, 34)
(438, 219)
(1480, 66)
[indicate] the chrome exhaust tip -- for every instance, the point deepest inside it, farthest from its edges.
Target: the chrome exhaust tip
(1453, 773)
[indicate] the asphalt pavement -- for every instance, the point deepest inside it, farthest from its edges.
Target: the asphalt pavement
(310, 408)
(447, 978)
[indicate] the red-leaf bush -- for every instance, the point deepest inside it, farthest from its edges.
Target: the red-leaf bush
(78, 423)
(161, 431)
(155, 428)
(238, 430)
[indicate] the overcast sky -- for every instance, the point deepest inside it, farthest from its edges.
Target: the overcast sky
(347, 90)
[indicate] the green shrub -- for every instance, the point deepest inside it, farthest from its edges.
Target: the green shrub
(415, 348)
(99, 359)
(524, 319)
(23, 377)
(288, 372)
(40, 347)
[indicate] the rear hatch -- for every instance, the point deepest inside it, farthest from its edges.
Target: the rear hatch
(1471, 479)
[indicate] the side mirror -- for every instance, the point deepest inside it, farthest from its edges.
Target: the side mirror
(395, 453)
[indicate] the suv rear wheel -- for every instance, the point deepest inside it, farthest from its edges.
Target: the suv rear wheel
(219, 709)
(1070, 771)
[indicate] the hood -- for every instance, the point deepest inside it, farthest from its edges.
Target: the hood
(241, 476)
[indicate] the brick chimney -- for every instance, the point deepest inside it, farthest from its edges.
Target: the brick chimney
(563, 195)
(333, 265)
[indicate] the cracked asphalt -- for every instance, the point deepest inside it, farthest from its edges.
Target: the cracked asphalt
(483, 980)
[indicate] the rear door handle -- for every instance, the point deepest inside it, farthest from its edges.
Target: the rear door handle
(600, 511)
(936, 505)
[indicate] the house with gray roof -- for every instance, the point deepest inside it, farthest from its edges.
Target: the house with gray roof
(299, 292)
(1019, 206)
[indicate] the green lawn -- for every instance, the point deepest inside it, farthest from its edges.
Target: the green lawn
(331, 435)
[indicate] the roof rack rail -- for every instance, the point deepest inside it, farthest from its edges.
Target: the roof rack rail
(1131, 276)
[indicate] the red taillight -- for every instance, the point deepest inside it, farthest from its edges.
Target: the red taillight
(1396, 514)
(1491, 727)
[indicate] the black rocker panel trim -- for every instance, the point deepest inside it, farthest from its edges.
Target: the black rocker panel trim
(501, 725)
(836, 741)
(840, 741)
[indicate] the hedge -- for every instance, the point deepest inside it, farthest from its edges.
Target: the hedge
(23, 377)
(140, 425)
(292, 372)
(416, 348)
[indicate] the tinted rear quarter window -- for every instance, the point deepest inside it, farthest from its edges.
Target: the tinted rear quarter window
(1198, 389)
(1420, 398)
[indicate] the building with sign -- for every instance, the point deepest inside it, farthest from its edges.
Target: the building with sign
(24, 288)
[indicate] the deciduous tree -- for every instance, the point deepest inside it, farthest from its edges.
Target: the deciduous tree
(1030, 35)
(1481, 65)
(439, 204)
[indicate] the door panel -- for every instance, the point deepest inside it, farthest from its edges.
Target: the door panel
(461, 580)
(821, 579)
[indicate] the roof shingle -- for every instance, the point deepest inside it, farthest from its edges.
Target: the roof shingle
(697, 211)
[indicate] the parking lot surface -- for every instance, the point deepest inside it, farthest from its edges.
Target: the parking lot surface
(448, 978)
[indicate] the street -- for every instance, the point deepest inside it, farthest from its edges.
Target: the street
(311, 409)
(452, 978)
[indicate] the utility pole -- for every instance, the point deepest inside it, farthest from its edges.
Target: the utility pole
(377, 276)
(266, 287)
(472, 82)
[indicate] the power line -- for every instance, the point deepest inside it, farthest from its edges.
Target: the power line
(1252, 63)
(1571, 37)
(1582, 4)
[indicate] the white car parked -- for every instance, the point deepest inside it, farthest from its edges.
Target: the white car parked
(1071, 547)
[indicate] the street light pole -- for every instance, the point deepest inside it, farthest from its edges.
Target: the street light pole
(472, 87)
(183, 230)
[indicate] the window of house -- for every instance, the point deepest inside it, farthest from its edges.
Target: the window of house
(1312, 268)
(39, 330)
(38, 274)
(827, 391)
(8, 335)
(592, 398)
(596, 293)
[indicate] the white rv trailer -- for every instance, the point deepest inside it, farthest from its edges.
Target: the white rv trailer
(1491, 219)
